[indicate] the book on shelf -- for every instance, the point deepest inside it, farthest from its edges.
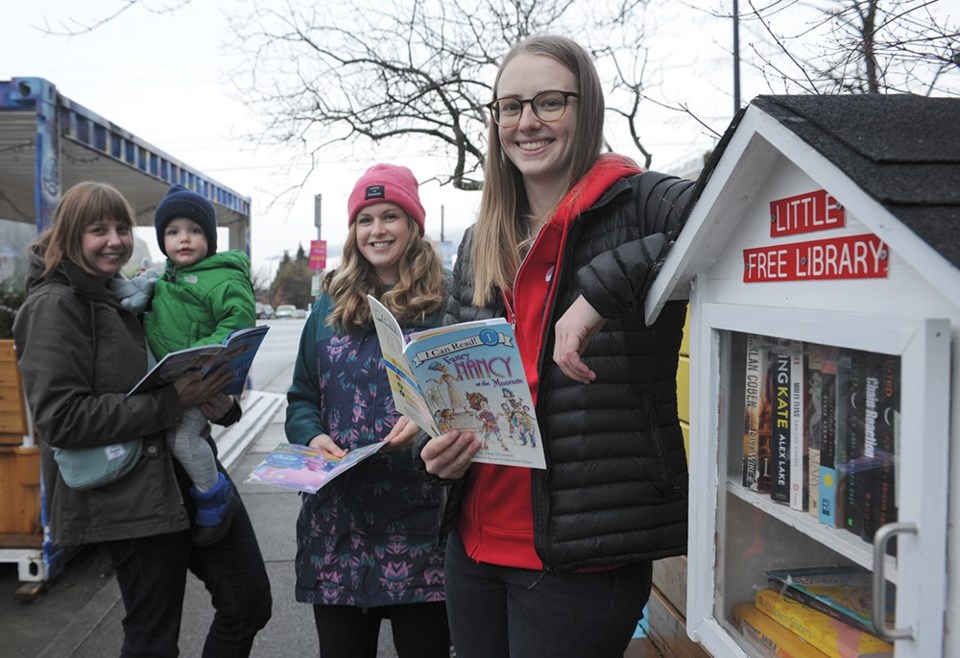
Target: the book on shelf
(829, 635)
(842, 592)
(851, 470)
(814, 425)
(301, 468)
(833, 409)
(767, 637)
(799, 441)
(780, 386)
(755, 473)
(467, 376)
(235, 353)
(881, 435)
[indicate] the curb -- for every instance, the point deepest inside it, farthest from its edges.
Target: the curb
(259, 409)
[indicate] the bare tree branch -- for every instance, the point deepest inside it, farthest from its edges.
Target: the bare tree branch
(363, 72)
(75, 28)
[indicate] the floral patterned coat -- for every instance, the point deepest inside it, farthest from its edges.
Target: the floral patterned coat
(367, 539)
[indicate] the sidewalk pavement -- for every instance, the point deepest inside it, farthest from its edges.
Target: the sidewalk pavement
(81, 617)
(95, 629)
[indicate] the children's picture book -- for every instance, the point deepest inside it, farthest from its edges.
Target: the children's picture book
(235, 353)
(829, 635)
(844, 593)
(301, 468)
(466, 376)
(768, 638)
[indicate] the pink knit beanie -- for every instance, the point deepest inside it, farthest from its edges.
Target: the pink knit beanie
(386, 183)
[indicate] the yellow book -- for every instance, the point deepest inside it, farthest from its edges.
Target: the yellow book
(832, 637)
(780, 641)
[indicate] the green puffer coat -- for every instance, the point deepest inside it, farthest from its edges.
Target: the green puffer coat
(201, 304)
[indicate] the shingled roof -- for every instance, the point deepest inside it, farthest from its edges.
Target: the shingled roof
(902, 150)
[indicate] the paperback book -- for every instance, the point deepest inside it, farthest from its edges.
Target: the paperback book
(235, 353)
(814, 426)
(466, 376)
(780, 374)
(829, 635)
(768, 638)
(844, 593)
(879, 507)
(799, 437)
(757, 417)
(297, 467)
(834, 413)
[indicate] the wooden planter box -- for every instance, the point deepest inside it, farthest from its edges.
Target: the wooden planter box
(19, 464)
(13, 417)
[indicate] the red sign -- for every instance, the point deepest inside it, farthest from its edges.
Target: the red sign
(318, 254)
(805, 213)
(852, 257)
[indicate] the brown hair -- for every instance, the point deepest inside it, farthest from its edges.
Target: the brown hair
(80, 206)
(421, 289)
(500, 233)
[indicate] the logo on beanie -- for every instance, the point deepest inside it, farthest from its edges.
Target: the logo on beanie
(375, 192)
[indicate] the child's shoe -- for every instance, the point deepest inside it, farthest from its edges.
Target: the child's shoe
(215, 511)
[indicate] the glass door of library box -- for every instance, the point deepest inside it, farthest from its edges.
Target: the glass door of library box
(821, 448)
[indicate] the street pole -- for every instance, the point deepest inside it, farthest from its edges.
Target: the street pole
(317, 202)
(736, 57)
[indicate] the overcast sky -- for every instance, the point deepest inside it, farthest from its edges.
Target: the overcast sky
(165, 78)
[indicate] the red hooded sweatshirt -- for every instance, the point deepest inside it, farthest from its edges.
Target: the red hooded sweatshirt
(496, 521)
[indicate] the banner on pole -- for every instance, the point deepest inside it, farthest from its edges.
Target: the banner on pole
(318, 254)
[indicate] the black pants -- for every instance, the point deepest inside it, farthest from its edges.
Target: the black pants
(419, 630)
(152, 572)
(503, 612)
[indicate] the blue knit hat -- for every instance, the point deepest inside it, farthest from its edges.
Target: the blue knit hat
(181, 202)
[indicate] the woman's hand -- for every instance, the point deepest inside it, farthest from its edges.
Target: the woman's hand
(449, 455)
(403, 434)
(326, 444)
(574, 329)
(217, 406)
(194, 391)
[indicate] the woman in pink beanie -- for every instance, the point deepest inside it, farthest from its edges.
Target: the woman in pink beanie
(365, 542)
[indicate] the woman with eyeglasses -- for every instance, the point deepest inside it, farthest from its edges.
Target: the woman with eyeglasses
(557, 562)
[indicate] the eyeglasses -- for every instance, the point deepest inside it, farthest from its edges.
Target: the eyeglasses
(547, 105)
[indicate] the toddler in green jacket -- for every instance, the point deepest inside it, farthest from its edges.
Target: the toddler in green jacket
(200, 299)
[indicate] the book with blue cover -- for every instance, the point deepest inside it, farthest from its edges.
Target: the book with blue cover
(842, 592)
(467, 376)
(235, 353)
(306, 469)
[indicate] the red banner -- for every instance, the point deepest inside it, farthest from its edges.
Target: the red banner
(318, 254)
(805, 213)
(853, 257)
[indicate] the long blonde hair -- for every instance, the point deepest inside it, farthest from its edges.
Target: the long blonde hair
(80, 206)
(420, 291)
(501, 230)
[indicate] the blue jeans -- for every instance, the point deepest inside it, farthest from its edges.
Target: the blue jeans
(152, 573)
(497, 612)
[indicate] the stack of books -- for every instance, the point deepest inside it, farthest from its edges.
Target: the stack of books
(814, 613)
(820, 428)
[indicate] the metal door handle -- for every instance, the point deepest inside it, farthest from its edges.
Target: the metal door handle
(880, 540)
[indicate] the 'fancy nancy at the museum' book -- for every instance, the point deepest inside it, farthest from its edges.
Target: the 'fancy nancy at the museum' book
(466, 376)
